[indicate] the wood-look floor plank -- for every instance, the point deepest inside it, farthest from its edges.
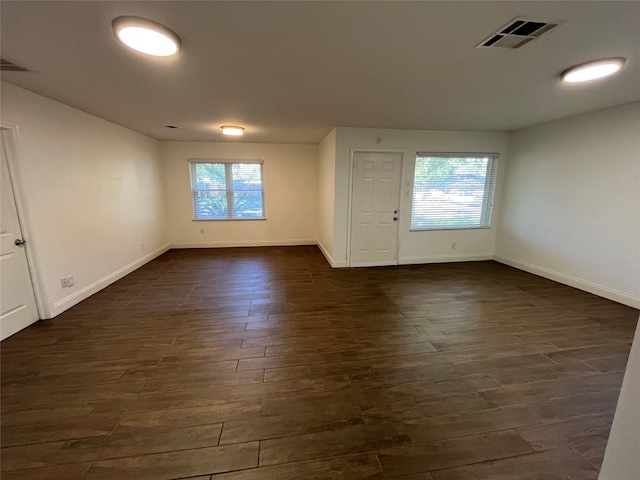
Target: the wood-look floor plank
(609, 364)
(63, 472)
(470, 422)
(207, 362)
(23, 457)
(18, 401)
(264, 428)
(354, 439)
(575, 406)
(592, 452)
(577, 431)
(93, 425)
(559, 464)
(429, 456)
(34, 414)
(540, 391)
(165, 400)
(122, 443)
(410, 409)
(171, 465)
(344, 399)
(425, 389)
(190, 416)
(290, 387)
(160, 385)
(351, 467)
(212, 355)
(208, 370)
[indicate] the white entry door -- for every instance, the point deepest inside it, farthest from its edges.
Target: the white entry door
(17, 299)
(374, 208)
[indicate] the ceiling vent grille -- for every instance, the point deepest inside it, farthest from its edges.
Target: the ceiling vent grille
(516, 33)
(7, 65)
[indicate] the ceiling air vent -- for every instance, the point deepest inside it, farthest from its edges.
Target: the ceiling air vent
(7, 65)
(516, 33)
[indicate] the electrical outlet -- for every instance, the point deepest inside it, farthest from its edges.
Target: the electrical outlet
(64, 282)
(453, 246)
(70, 281)
(202, 230)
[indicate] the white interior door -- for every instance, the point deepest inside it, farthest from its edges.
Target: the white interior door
(17, 299)
(374, 208)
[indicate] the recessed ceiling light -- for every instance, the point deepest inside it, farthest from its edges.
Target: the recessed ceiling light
(146, 36)
(232, 130)
(592, 70)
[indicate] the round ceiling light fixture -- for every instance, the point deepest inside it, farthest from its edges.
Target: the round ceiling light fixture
(232, 130)
(593, 70)
(146, 36)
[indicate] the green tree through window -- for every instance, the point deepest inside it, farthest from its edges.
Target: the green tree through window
(227, 190)
(453, 192)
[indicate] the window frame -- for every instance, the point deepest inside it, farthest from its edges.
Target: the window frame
(228, 166)
(488, 199)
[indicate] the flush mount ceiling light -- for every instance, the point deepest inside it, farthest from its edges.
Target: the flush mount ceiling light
(146, 36)
(232, 130)
(592, 70)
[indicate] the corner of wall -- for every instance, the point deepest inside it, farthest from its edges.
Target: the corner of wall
(575, 282)
(76, 297)
(329, 258)
(568, 216)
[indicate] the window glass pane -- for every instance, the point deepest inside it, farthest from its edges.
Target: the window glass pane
(247, 204)
(227, 190)
(247, 176)
(247, 190)
(210, 204)
(210, 176)
(450, 192)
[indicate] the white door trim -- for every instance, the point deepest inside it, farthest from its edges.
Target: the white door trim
(9, 137)
(352, 152)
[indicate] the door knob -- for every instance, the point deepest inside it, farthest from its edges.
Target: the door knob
(19, 242)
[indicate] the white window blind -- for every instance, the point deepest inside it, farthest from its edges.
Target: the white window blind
(453, 190)
(224, 190)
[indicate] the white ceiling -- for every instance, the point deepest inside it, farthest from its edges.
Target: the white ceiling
(290, 71)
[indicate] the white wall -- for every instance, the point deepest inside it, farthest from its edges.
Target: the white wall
(621, 459)
(326, 194)
(290, 192)
(572, 203)
(93, 196)
(425, 246)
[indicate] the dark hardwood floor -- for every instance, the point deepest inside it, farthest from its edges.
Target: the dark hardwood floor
(265, 363)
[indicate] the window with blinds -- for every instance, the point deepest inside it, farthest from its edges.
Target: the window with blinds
(224, 190)
(453, 190)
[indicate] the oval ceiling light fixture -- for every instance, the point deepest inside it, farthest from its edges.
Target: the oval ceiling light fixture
(232, 130)
(146, 36)
(593, 70)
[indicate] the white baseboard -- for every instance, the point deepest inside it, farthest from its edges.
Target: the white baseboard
(329, 258)
(462, 257)
(249, 243)
(572, 281)
(84, 293)
(373, 264)
(324, 251)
